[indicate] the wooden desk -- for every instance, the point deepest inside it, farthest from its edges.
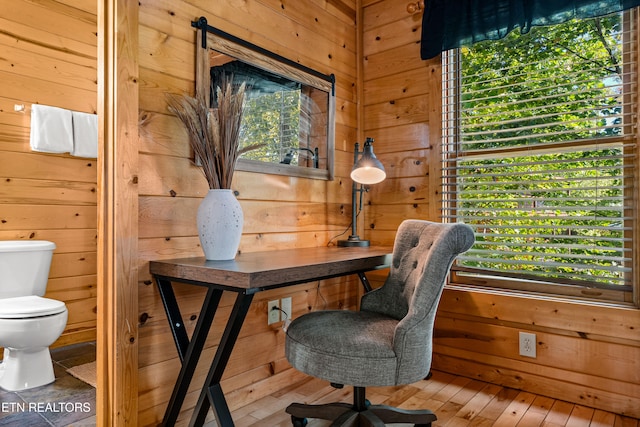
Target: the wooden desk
(245, 275)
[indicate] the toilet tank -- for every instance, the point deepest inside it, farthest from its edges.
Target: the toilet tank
(24, 267)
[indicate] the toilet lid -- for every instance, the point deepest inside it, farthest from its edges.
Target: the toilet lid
(29, 306)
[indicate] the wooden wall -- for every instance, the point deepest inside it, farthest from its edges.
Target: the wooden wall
(586, 353)
(280, 212)
(48, 56)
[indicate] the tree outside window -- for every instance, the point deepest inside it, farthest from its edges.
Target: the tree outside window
(539, 156)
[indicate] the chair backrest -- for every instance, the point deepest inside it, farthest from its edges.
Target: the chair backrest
(422, 256)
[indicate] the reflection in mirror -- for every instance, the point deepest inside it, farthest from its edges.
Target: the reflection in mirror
(278, 112)
(288, 107)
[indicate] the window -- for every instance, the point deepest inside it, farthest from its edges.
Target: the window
(539, 152)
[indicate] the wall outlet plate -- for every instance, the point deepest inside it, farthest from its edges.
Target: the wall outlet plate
(273, 312)
(527, 344)
(285, 306)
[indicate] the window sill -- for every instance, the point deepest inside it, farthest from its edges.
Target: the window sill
(536, 295)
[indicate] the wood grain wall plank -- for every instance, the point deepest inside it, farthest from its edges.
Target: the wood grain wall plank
(570, 353)
(389, 217)
(69, 264)
(401, 139)
(34, 66)
(45, 192)
(74, 240)
(389, 63)
(392, 33)
(78, 286)
(34, 25)
(405, 164)
(35, 165)
(604, 320)
(25, 216)
(171, 216)
(319, 17)
(28, 91)
(379, 13)
(398, 86)
(90, 7)
(397, 112)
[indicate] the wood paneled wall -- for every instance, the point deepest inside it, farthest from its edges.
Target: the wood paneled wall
(48, 56)
(401, 112)
(279, 211)
(586, 353)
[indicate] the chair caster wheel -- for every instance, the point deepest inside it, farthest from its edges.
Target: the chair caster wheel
(298, 422)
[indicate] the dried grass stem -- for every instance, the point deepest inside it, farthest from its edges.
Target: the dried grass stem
(214, 133)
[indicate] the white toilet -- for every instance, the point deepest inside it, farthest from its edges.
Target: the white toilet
(29, 323)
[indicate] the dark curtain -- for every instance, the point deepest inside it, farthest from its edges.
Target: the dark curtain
(447, 24)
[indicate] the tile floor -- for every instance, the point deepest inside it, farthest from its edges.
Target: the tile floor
(66, 402)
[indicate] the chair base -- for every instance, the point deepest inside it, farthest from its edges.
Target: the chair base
(359, 414)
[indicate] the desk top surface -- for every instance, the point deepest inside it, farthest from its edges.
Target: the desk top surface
(268, 269)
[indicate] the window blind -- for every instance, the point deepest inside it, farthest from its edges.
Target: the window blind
(539, 152)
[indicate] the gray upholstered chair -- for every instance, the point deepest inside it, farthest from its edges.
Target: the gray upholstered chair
(388, 342)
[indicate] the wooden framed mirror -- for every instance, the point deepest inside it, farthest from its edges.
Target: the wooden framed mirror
(288, 107)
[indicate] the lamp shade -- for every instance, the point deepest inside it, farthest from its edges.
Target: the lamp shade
(368, 169)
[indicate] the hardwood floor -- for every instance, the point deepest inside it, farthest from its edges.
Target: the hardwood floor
(457, 401)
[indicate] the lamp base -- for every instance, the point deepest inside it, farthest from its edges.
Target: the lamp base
(353, 241)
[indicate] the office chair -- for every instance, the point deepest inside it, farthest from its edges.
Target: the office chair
(389, 341)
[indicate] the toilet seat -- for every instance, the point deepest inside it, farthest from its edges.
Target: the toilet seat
(29, 306)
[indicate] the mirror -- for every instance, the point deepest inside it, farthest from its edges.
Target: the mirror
(288, 107)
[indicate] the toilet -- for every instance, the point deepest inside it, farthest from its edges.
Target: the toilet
(29, 323)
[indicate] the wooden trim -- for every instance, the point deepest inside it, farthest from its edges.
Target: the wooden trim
(636, 197)
(345, 8)
(117, 337)
(536, 288)
(203, 86)
(359, 72)
(435, 140)
(361, 219)
(225, 43)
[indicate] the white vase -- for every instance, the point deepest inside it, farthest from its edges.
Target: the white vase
(220, 221)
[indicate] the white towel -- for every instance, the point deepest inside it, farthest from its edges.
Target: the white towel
(85, 135)
(51, 129)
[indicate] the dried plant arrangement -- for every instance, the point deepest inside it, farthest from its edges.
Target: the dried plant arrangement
(214, 133)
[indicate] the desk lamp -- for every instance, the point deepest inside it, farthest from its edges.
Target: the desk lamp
(366, 170)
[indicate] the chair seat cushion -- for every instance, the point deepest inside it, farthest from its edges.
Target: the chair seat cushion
(345, 347)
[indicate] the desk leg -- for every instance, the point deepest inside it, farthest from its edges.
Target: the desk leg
(173, 315)
(365, 282)
(191, 354)
(211, 393)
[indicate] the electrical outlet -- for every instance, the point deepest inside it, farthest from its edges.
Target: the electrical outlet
(285, 306)
(273, 312)
(527, 344)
